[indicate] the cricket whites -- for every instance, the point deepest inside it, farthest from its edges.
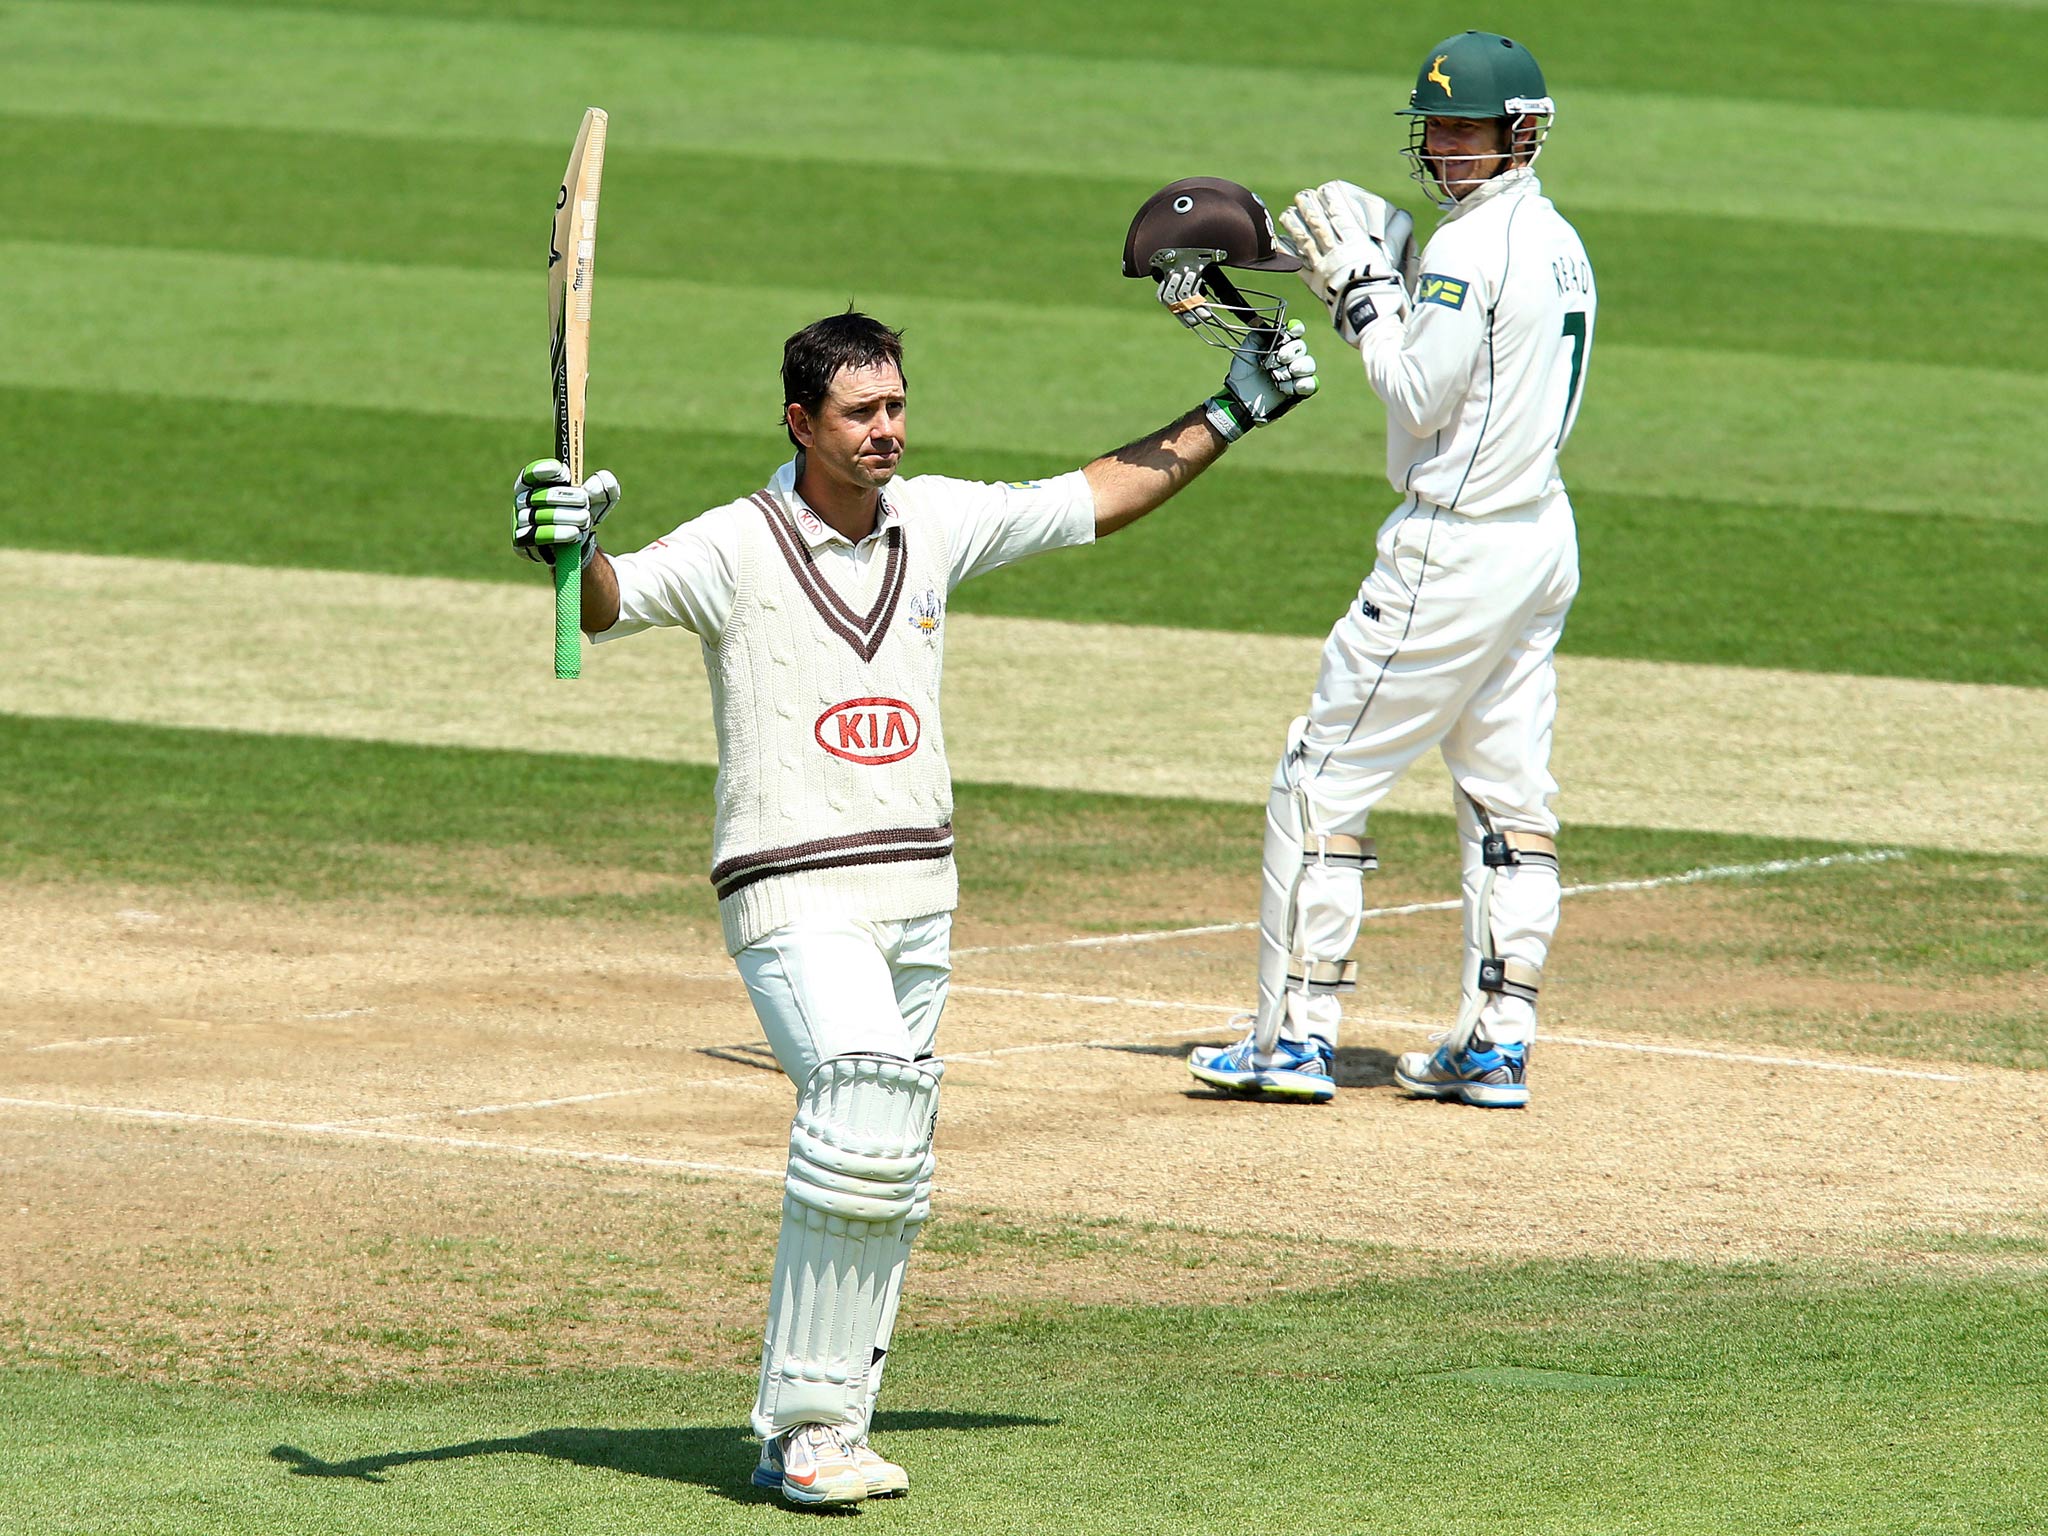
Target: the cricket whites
(571, 253)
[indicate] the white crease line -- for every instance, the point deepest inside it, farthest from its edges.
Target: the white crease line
(1759, 1061)
(322, 1128)
(339, 1013)
(87, 1045)
(502, 1109)
(1414, 1025)
(1689, 877)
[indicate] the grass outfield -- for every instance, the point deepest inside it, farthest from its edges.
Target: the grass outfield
(1567, 1399)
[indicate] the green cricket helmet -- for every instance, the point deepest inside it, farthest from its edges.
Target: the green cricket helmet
(1484, 76)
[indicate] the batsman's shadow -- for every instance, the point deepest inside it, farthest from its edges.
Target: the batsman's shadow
(1356, 1066)
(718, 1458)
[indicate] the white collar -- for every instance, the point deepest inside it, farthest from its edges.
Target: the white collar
(815, 530)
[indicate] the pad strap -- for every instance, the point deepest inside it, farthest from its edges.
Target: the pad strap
(1334, 850)
(1322, 976)
(1507, 850)
(1510, 978)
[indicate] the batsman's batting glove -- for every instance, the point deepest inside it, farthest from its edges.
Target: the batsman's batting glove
(1270, 374)
(1341, 234)
(1180, 290)
(550, 515)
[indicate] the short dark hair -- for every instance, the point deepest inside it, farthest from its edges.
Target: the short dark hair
(812, 358)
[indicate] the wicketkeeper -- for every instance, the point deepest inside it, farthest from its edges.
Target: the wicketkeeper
(819, 602)
(1479, 350)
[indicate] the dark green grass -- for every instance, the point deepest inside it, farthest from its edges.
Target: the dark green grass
(1946, 58)
(1666, 280)
(1557, 1398)
(1952, 598)
(472, 831)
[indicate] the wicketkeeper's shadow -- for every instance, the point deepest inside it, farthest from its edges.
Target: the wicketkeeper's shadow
(719, 1458)
(1356, 1066)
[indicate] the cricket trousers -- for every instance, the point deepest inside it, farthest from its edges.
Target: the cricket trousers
(1450, 644)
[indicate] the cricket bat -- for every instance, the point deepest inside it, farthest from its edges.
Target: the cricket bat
(571, 252)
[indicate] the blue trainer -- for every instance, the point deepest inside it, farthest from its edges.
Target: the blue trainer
(1295, 1070)
(1480, 1072)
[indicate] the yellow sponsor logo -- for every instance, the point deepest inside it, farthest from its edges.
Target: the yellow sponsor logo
(1447, 291)
(1436, 73)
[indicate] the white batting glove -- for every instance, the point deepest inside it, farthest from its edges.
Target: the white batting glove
(1345, 263)
(1180, 290)
(549, 514)
(1269, 376)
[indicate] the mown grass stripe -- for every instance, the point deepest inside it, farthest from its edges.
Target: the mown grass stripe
(1678, 280)
(1658, 421)
(1632, 149)
(1752, 50)
(1639, 743)
(1822, 590)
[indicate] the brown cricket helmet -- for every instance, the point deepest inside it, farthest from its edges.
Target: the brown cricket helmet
(1205, 213)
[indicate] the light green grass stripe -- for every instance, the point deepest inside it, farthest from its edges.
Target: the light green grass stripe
(449, 663)
(871, 105)
(1067, 383)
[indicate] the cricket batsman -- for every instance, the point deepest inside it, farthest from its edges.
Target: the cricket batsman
(1479, 349)
(820, 606)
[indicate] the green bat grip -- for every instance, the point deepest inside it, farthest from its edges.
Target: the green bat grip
(569, 612)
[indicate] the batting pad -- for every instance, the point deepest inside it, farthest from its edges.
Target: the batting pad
(1311, 901)
(859, 1186)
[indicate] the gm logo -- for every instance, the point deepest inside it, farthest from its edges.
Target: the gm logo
(1447, 291)
(869, 731)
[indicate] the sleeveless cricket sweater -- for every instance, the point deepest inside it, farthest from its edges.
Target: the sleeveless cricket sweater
(833, 790)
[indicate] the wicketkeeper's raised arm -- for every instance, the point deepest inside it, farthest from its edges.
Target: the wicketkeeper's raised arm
(552, 519)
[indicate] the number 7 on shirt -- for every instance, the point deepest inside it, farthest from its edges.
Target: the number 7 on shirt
(571, 251)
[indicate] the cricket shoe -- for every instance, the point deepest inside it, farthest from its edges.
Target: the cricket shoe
(886, 1480)
(813, 1464)
(1479, 1072)
(1298, 1070)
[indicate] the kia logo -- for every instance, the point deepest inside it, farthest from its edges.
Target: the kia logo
(870, 731)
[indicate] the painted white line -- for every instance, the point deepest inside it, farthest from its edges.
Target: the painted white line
(361, 1133)
(748, 1080)
(1688, 877)
(1097, 1000)
(1804, 1063)
(92, 1044)
(502, 1109)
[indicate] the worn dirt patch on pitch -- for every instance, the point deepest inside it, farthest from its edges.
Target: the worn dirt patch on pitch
(382, 1137)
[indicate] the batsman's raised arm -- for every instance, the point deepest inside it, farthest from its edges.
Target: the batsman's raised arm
(1182, 238)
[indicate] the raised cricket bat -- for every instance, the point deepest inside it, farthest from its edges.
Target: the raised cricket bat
(571, 252)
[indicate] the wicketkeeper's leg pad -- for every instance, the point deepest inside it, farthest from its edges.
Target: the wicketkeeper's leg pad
(1311, 901)
(858, 1190)
(1512, 891)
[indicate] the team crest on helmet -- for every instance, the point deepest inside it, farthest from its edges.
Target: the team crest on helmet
(1436, 73)
(926, 612)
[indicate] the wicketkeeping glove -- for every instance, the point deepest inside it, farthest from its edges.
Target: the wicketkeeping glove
(1270, 374)
(1354, 247)
(549, 514)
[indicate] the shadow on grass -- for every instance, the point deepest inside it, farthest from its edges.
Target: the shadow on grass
(718, 1458)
